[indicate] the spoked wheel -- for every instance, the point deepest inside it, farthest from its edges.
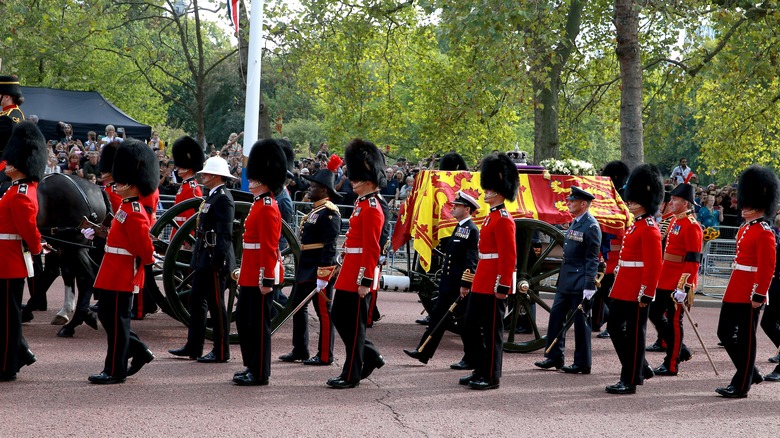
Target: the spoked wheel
(539, 257)
(177, 274)
(162, 230)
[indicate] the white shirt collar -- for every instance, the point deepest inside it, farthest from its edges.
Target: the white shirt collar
(211, 192)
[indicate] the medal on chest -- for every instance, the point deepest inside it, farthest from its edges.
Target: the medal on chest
(576, 236)
(356, 212)
(676, 229)
(206, 208)
(462, 232)
(312, 218)
(121, 215)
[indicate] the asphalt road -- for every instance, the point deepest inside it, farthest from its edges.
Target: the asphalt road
(174, 397)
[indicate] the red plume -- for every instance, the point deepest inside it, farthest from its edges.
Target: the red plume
(334, 163)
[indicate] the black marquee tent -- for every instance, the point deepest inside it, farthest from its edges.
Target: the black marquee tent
(84, 110)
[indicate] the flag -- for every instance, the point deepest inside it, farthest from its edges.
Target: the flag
(426, 216)
(232, 6)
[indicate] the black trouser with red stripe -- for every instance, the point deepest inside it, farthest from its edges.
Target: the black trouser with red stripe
(627, 328)
(742, 319)
(123, 343)
(144, 303)
(770, 321)
(673, 332)
(484, 333)
(14, 352)
(600, 309)
(208, 294)
(253, 321)
(300, 337)
(349, 313)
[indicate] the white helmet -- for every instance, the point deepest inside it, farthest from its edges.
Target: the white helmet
(216, 166)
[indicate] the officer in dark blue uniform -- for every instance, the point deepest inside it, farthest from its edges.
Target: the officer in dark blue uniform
(461, 253)
(576, 282)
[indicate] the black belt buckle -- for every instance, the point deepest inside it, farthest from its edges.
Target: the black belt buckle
(209, 238)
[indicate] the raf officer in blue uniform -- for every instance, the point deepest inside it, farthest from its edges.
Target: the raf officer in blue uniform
(576, 283)
(461, 254)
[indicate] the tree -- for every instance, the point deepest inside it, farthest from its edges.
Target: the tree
(629, 55)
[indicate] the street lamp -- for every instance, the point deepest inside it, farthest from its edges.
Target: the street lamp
(179, 8)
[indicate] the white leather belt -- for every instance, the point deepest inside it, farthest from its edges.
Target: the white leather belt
(488, 256)
(120, 251)
(180, 218)
(631, 264)
(739, 267)
(10, 237)
(353, 250)
(248, 245)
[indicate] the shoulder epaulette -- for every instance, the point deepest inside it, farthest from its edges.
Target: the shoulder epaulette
(331, 206)
(766, 225)
(373, 202)
(504, 213)
(136, 207)
(267, 201)
(193, 184)
(650, 221)
(23, 189)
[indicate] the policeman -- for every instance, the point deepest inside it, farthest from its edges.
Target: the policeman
(10, 113)
(757, 198)
(639, 268)
(136, 174)
(25, 157)
(212, 260)
(461, 254)
(188, 157)
(316, 265)
(576, 283)
(494, 277)
(261, 262)
(359, 271)
(682, 256)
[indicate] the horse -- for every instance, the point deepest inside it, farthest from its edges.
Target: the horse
(63, 203)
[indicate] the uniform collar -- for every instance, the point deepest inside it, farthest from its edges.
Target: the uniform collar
(683, 215)
(189, 179)
(21, 181)
(369, 195)
(463, 221)
(130, 199)
(321, 202)
(262, 195)
(641, 216)
(214, 190)
(10, 107)
(497, 207)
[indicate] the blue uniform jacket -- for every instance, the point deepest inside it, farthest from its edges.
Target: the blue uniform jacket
(580, 256)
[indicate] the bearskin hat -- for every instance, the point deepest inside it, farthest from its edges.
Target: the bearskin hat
(365, 162)
(326, 176)
(268, 164)
(645, 187)
(9, 85)
(107, 154)
(136, 164)
(289, 153)
(498, 173)
(758, 189)
(452, 161)
(26, 150)
(188, 154)
(617, 171)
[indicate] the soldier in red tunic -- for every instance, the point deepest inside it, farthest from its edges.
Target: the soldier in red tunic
(25, 156)
(128, 248)
(188, 157)
(639, 268)
(757, 197)
(494, 278)
(682, 256)
(261, 262)
(359, 272)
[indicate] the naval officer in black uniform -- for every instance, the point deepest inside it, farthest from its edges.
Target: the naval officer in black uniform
(461, 253)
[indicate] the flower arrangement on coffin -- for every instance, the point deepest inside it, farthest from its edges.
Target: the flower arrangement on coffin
(568, 166)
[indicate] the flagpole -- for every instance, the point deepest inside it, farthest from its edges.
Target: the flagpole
(252, 106)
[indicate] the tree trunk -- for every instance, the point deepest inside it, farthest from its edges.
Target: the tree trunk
(264, 122)
(546, 143)
(628, 53)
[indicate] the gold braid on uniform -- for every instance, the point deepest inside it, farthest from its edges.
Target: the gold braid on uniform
(326, 271)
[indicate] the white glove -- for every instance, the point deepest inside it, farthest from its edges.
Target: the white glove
(588, 294)
(321, 284)
(382, 260)
(88, 233)
(680, 295)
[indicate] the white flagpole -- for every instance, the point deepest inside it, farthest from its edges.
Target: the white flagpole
(252, 107)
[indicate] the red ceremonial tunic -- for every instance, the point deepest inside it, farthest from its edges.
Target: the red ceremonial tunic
(18, 209)
(497, 254)
(113, 197)
(684, 237)
(261, 261)
(150, 203)
(127, 240)
(362, 245)
(754, 265)
(189, 189)
(640, 262)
